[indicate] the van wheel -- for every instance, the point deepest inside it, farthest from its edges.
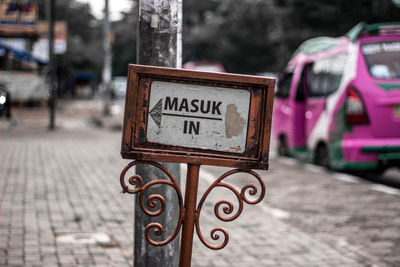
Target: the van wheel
(321, 156)
(283, 149)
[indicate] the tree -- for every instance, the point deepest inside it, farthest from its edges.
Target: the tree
(252, 36)
(84, 33)
(124, 46)
(240, 34)
(246, 36)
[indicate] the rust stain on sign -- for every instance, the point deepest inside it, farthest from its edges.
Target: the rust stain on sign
(234, 123)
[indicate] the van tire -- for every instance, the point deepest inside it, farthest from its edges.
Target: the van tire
(283, 149)
(321, 156)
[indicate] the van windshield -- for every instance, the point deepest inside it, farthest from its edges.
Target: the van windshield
(383, 59)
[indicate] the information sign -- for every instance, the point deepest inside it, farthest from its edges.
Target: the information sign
(197, 117)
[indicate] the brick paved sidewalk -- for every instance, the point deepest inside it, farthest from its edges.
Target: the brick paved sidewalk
(67, 181)
(58, 183)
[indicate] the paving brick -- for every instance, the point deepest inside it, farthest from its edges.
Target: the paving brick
(12, 260)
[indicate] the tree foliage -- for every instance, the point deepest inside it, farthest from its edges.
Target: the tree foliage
(124, 45)
(246, 36)
(84, 37)
(235, 36)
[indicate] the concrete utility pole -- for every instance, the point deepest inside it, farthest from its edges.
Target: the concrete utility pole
(159, 44)
(107, 61)
(52, 88)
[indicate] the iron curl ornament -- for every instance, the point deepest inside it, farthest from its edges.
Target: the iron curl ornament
(227, 207)
(158, 202)
(155, 202)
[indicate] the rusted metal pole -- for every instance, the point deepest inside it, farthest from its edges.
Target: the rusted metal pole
(192, 182)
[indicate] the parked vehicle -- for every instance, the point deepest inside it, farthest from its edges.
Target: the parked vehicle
(118, 85)
(23, 74)
(5, 102)
(338, 100)
(210, 66)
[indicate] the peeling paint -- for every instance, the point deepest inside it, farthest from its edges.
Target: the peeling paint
(234, 123)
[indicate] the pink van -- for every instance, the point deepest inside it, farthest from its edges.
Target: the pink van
(338, 101)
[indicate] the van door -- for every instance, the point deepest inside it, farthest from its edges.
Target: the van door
(282, 113)
(289, 108)
(323, 79)
(299, 107)
(316, 93)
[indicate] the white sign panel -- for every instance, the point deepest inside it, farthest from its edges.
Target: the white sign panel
(198, 116)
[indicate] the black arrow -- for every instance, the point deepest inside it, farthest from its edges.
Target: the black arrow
(156, 113)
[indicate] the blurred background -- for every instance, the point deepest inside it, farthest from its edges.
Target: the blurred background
(54, 183)
(244, 36)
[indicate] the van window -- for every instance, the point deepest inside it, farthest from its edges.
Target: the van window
(300, 91)
(325, 75)
(283, 90)
(383, 59)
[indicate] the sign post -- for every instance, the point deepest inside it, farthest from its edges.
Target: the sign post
(195, 118)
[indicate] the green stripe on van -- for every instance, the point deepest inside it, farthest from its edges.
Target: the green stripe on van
(372, 29)
(389, 86)
(336, 136)
(389, 156)
(316, 45)
(301, 153)
(381, 149)
(360, 166)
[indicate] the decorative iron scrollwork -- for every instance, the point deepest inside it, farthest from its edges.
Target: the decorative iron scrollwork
(155, 202)
(227, 207)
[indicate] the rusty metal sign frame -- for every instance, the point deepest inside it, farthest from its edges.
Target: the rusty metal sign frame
(134, 141)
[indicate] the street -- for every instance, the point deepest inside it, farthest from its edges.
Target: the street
(67, 182)
(209, 133)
